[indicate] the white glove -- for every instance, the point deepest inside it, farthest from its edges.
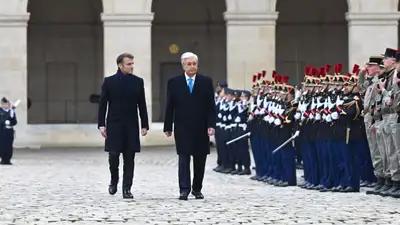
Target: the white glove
(271, 120)
(328, 118)
(7, 122)
(237, 120)
(277, 122)
(297, 116)
(335, 115)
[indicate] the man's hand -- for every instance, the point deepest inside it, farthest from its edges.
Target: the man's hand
(144, 131)
(211, 131)
(103, 131)
(168, 133)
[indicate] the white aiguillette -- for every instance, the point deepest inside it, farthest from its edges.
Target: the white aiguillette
(17, 103)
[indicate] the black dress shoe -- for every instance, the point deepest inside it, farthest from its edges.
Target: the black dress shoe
(255, 177)
(112, 189)
(302, 185)
(126, 193)
(235, 172)
(183, 196)
(347, 190)
(246, 171)
(324, 189)
(283, 184)
(337, 188)
(396, 194)
(371, 184)
(218, 168)
(5, 163)
(226, 170)
(197, 194)
(264, 179)
(363, 183)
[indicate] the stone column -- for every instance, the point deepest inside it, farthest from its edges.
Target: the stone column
(129, 33)
(13, 62)
(373, 26)
(370, 34)
(250, 45)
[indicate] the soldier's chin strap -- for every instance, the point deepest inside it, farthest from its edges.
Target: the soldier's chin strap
(296, 134)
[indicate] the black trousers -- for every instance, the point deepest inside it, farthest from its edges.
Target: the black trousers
(199, 163)
(129, 166)
(6, 144)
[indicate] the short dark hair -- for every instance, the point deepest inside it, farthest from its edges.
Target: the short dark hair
(121, 57)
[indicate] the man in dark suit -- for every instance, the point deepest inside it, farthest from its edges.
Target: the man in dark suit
(191, 108)
(122, 94)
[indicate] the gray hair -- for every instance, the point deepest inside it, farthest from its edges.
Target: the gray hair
(188, 55)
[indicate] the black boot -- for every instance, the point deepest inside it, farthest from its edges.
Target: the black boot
(237, 171)
(380, 183)
(218, 168)
(391, 192)
(112, 188)
(246, 171)
(227, 170)
(126, 193)
(388, 185)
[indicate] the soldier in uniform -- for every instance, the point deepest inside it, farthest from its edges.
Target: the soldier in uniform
(396, 127)
(226, 154)
(8, 120)
(385, 118)
(243, 155)
(256, 126)
(367, 80)
(219, 104)
(389, 86)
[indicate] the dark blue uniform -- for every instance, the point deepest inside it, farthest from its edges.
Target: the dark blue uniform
(8, 119)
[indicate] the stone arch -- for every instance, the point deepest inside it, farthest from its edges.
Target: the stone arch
(310, 32)
(179, 26)
(65, 60)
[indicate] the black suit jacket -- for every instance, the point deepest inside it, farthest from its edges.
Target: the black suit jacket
(191, 114)
(124, 95)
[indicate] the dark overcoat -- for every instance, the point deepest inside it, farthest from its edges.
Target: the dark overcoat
(122, 96)
(189, 115)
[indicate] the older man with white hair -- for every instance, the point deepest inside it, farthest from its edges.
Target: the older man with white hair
(190, 114)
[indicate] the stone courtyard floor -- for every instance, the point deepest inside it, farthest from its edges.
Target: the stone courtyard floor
(69, 186)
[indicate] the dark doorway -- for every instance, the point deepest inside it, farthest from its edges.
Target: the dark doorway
(65, 60)
(190, 25)
(310, 32)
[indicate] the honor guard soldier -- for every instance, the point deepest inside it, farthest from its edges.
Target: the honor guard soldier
(8, 120)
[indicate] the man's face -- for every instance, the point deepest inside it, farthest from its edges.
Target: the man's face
(222, 93)
(388, 62)
(5, 105)
(126, 66)
(373, 69)
(190, 66)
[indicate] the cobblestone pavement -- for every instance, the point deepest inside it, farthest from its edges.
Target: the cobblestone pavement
(69, 186)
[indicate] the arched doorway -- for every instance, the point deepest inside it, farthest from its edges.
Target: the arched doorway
(310, 32)
(65, 60)
(180, 26)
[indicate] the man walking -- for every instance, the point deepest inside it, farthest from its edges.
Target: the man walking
(191, 109)
(122, 95)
